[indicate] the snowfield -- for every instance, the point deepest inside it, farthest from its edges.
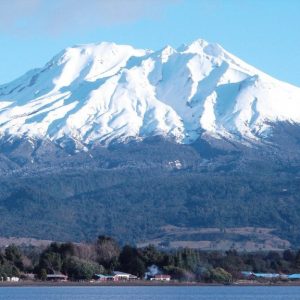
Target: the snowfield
(105, 92)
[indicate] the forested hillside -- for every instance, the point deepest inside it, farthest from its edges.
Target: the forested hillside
(133, 191)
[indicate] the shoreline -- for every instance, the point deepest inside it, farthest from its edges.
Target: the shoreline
(141, 284)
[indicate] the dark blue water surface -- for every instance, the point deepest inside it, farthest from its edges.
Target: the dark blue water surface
(147, 293)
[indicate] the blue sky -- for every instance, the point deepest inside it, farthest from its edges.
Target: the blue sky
(265, 33)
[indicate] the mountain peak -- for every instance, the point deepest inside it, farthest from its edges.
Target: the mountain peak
(201, 46)
(102, 92)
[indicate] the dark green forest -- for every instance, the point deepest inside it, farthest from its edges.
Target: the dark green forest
(133, 205)
(132, 191)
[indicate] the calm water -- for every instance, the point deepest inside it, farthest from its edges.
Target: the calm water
(153, 293)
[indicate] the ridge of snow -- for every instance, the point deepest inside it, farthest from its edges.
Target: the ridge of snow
(102, 92)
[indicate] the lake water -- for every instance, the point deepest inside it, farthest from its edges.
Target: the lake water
(147, 293)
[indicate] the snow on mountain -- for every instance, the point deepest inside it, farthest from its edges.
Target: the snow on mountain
(102, 92)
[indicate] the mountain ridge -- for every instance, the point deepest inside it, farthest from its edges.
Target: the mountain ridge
(99, 93)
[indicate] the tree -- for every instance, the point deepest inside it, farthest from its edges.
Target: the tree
(51, 262)
(80, 269)
(288, 255)
(54, 256)
(297, 260)
(108, 251)
(7, 269)
(14, 255)
(131, 262)
(42, 274)
(152, 256)
(220, 275)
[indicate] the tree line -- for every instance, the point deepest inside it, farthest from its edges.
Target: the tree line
(105, 255)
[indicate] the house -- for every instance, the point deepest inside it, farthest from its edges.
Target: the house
(120, 276)
(252, 275)
(161, 277)
(13, 279)
(116, 276)
(248, 275)
(57, 277)
(100, 277)
(267, 275)
(28, 276)
(294, 277)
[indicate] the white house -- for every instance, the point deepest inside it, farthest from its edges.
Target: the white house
(13, 279)
(57, 277)
(123, 276)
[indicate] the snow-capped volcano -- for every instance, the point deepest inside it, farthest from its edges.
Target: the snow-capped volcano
(102, 92)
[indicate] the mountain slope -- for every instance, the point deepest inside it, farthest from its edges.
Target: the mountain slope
(184, 146)
(103, 92)
(135, 191)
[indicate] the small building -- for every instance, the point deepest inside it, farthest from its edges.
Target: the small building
(294, 277)
(100, 277)
(116, 276)
(111, 278)
(57, 277)
(248, 275)
(251, 275)
(13, 279)
(267, 275)
(120, 276)
(28, 276)
(161, 277)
